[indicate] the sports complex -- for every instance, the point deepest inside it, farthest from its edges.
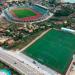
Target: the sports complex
(54, 50)
(51, 54)
(27, 13)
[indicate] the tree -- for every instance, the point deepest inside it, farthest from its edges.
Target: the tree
(13, 27)
(1, 65)
(69, 22)
(52, 1)
(65, 11)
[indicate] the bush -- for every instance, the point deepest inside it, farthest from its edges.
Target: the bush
(64, 12)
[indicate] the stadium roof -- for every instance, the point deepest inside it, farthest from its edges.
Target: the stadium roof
(54, 50)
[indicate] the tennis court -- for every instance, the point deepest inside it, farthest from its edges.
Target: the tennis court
(54, 50)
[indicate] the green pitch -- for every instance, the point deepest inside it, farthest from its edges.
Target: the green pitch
(22, 13)
(55, 50)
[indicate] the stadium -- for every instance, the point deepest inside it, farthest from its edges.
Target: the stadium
(54, 50)
(27, 13)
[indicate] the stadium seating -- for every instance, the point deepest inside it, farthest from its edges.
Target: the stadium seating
(39, 9)
(40, 13)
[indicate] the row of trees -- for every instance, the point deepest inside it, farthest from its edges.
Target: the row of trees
(65, 11)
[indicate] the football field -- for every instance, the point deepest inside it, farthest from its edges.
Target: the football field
(54, 50)
(22, 13)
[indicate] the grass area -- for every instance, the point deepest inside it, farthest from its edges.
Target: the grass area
(22, 13)
(55, 50)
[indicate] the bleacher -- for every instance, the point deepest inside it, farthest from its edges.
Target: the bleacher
(40, 13)
(40, 9)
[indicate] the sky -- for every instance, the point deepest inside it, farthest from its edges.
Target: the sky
(72, 1)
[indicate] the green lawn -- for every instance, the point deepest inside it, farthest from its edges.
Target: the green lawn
(55, 50)
(24, 13)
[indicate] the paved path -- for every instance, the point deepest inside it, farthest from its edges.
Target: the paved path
(20, 66)
(23, 65)
(34, 40)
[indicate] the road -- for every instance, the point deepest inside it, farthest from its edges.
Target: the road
(17, 64)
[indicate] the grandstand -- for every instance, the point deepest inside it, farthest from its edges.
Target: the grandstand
(26, 13)
(54, 50)
(40, 9)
